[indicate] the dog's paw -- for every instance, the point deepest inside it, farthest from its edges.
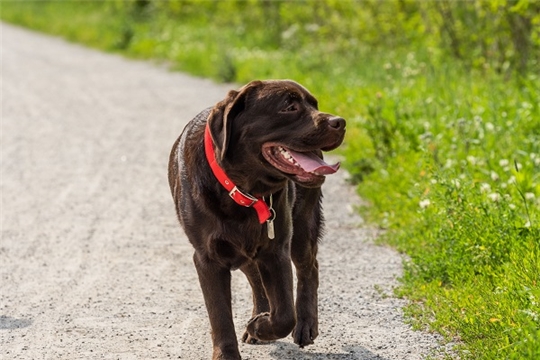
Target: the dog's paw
(305, 332)
(230, 354)
(251, 335)
(248, 339)
(256, 317)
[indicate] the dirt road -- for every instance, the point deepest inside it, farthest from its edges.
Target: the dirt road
(93, 263)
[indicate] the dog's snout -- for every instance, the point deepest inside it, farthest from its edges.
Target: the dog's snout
(336, 123)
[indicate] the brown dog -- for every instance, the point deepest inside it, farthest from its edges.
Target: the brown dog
(245, 176)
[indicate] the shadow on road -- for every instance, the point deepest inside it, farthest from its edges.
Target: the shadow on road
(285, 350)
(9, 323)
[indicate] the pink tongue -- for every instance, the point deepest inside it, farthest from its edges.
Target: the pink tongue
(312, 163)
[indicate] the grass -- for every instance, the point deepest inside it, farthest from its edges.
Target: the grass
(447, 157)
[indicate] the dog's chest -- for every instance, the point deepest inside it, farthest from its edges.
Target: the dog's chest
(238, 243)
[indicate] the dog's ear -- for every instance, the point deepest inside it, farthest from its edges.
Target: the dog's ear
(223, 114)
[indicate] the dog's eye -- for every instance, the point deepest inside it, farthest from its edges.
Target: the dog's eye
(290, 108)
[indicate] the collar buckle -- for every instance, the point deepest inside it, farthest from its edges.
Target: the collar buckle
(241, 198)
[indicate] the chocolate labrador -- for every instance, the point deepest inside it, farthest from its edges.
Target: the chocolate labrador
(246, 179)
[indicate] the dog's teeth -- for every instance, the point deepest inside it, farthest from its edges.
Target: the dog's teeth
(287, 155)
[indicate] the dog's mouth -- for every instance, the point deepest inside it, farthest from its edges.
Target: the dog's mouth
(304, 166)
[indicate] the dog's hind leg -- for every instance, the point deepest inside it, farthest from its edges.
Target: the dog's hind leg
(216, 287)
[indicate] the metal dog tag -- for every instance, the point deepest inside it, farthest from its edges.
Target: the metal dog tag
(270, 222)
(270, 228)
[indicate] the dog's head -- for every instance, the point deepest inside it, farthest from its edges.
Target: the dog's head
(273, 130)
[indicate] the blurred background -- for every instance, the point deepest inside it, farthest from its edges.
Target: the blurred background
(442, 102)
(223, 39)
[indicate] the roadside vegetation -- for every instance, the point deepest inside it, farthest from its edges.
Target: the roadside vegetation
(443, 106)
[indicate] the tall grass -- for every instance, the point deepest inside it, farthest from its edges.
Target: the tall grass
(458, 185)
(448, 156)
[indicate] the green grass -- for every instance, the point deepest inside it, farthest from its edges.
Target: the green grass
(448, 157)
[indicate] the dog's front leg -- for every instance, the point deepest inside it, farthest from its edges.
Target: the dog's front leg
(276, 275)
(307, 273)
(216, 287)
(260, 301)
(308, 221)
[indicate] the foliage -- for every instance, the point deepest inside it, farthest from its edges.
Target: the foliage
(442, 102)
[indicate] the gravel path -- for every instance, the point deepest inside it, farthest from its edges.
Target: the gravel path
(93, 263)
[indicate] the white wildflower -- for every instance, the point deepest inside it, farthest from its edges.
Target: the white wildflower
(494, 176)
(529, 196)
(526, 105)
(504, 162)
(490, 126)
(495, 197)
(531, 313)
(485, 187)
(424, 203)
(290, 32)
(512, 206)
(471, 159)
(312, 27)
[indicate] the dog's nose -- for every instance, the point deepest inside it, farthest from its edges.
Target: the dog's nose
(336, 123)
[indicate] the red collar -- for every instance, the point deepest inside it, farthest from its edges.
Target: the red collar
(263, 211)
